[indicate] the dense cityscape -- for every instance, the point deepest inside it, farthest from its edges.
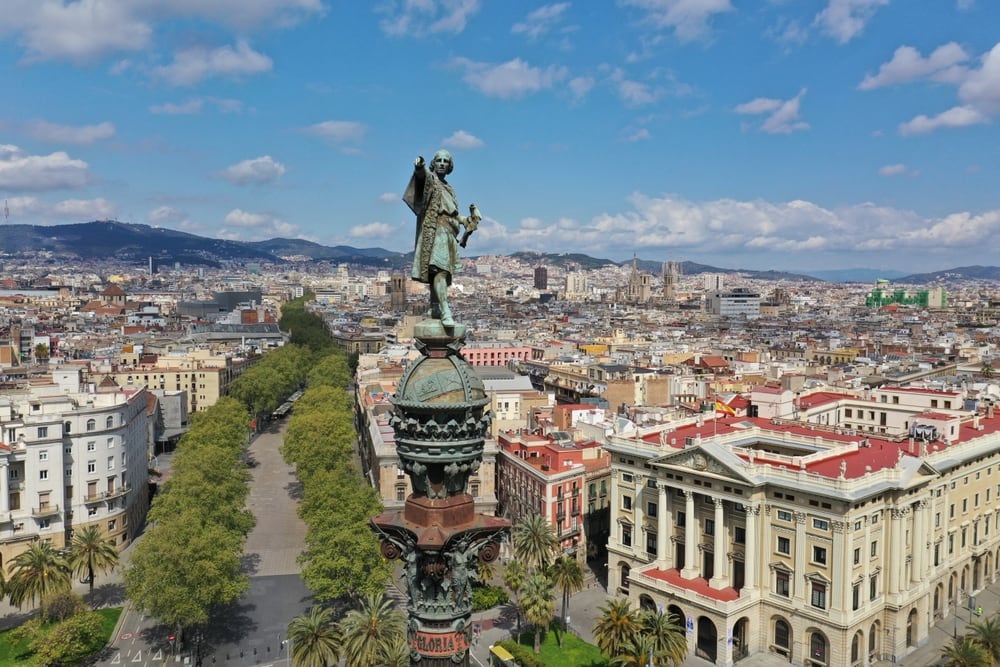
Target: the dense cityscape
(455, 333)
(793, 468)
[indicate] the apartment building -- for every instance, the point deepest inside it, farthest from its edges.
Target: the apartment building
(547, 475)
(203, 374)
(70, 458)
(823, 544)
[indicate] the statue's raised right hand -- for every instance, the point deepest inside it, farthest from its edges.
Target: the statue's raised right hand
(419, 162)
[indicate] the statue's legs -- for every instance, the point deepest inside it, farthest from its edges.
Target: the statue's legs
(439, 294)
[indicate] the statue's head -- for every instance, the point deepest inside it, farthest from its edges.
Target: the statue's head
(442, 164)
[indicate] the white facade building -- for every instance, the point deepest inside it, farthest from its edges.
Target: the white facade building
(71, 457)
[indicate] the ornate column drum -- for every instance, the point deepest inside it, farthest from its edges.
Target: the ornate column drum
(440, 425)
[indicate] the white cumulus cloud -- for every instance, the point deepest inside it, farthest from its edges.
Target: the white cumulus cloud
(510, 80)
(373, 230)
(55, 171)
(845, 19)
(753, 230)
(540, 21)
(689, 19)
(194, 64)
(463, 140)
(782, 115)
(954, 117)
(69, 134)
(87, 30)
(240, 225)
(35, 211)
(897, 169)
(338, 131)
(908, 65)
(420, 17)
(255, 171)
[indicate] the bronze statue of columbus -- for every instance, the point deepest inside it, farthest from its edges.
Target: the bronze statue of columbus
(435, 252)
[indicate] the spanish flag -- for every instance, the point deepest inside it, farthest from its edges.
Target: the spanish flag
(722, 407)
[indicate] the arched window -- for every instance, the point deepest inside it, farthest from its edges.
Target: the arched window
(818, 650)
(625, 570)
(109, 422)
(67, 427)
(856, 648)
(91, 424)
(782, 637)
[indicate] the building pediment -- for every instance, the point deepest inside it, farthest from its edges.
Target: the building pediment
(705, 458)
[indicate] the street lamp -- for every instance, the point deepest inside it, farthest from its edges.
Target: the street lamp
(288, 651)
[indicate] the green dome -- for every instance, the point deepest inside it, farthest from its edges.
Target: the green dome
(441, 380)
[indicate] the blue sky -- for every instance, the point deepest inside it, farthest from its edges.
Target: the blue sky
(787, 134)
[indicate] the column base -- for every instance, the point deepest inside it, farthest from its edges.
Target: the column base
(718, 582)
(690, 573)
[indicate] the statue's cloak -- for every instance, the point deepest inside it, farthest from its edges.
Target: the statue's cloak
(434, 203)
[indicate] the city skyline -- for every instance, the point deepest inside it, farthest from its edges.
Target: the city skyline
(822, 135)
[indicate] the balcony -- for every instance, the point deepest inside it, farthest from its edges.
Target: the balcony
(120, 491)
(560, 516)
(44, 511)
(101, 496)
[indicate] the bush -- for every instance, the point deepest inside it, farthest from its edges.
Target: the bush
(60, 606)
(522, 656)
(486, 597)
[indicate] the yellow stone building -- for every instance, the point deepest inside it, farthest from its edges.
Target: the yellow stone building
(822, 539)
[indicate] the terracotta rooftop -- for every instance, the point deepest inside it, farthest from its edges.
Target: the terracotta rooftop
(699, 585)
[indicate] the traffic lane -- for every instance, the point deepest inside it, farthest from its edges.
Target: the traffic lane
(140, 642)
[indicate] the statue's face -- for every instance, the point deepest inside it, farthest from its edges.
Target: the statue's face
(441, 164)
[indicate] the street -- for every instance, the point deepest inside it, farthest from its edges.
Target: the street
(249, 632)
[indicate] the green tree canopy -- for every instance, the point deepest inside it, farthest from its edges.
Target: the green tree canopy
(183, 567)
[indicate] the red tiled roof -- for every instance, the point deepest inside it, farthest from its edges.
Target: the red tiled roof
(822, 398)
(699, 585)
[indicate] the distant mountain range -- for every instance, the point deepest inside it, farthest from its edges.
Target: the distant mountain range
(125, 242)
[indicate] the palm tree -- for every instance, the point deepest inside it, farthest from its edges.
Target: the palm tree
(396, 655)
(617, 627)
(964, 652)
(37, 573)
(315, 641)
(534, 542)
(667, 636)
(637, 654)
(513, 578)
(986, 633)
(987, 370)
(539, 604)
(485, 571)
(567, 576)
(370, 630)
(89, 552)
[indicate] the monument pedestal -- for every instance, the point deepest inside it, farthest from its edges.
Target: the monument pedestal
(440, 426)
